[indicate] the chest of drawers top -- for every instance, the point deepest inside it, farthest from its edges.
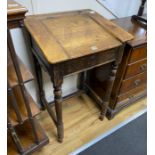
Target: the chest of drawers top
(139, 32)
(70, 35)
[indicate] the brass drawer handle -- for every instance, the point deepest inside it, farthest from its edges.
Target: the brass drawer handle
(143, 67)
(137, 82)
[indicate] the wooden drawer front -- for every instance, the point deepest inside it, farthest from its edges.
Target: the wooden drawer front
(136, 68)
(133, 82)
(87, 62)
(138, 53)
(123, 99)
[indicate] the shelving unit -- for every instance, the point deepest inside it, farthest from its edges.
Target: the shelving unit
(25, 135)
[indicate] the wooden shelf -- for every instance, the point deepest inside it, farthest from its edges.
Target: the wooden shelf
(25, 135)
(22, 109)
(12, 76)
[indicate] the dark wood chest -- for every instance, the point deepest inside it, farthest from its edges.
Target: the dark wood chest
(130, 81)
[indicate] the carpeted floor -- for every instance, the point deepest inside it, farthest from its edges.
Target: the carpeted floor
(131, 139)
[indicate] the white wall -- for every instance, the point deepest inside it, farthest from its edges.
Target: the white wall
(123, 8)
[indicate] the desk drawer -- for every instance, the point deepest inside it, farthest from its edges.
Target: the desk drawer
(138, 54)
(137, 92)
(133, 82)
(136, 68)
(88, 62)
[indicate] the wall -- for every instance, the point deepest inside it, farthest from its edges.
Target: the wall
(127, 8)
(123, 8)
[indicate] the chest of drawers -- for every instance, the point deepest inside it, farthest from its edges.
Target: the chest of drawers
(130, 81)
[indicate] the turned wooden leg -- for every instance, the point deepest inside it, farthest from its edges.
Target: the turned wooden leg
(110, 81)
(81, 81)
(106, 98)
(39, 80)
(58, 108)
(110, 114)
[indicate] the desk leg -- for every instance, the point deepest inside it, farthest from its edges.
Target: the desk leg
(58, 108)
(108, 91)
(81, 81)
(110, 81)
(39, 78)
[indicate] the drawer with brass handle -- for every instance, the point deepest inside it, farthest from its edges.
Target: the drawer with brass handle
(133, 82)
(137, 82)
(136, 68)
(138, 54)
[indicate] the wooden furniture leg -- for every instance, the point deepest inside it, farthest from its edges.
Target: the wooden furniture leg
(57, 83)
(108, 91)
(39, 79)
(81, 80)
(110, 82)
(42, 99)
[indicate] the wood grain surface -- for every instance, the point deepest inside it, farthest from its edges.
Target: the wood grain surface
(133, 82)
(69, 35)
(139, 32)
(138, 53)
(81, 124)
(136, 68)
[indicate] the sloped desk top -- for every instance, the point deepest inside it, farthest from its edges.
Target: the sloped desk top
(69, 35)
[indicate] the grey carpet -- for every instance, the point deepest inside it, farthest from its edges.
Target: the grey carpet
(131, 139)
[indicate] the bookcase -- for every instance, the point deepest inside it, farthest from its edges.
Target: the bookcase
(25, 135)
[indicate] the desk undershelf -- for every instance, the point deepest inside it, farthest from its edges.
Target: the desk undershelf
(22, 109)
(12, 76)
(25, 135)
